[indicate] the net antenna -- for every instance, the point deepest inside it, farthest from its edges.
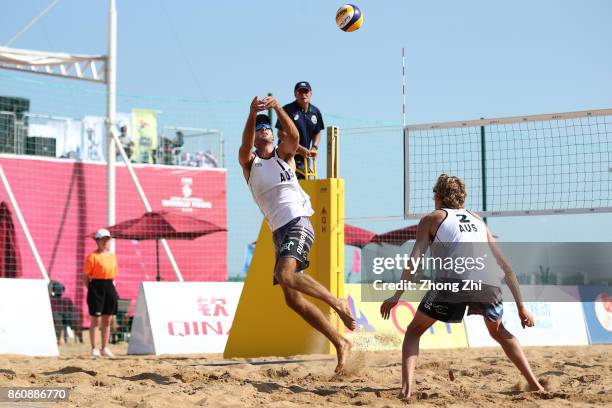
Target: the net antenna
(405, 133)
(93, 68)
(555, 163)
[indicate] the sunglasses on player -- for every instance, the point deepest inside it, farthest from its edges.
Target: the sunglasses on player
(262, 126)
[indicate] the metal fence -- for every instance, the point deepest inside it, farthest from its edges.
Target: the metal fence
(85, 139)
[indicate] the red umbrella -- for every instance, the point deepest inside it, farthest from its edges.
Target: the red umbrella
(356, 236)
(10, 260)
(396, 237)
(163, 225)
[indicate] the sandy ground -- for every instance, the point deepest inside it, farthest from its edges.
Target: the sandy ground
(574, 376)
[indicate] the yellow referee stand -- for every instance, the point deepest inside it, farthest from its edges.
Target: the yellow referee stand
(263, 324)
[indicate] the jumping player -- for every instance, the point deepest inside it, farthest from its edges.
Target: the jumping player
(451, 223)
(270, 174)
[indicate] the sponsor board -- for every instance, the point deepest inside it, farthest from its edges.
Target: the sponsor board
(183, 317)
(597, 305)
(556, 324)
(26, 322)
(377, 334)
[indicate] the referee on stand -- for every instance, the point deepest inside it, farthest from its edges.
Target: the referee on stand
(309, 123)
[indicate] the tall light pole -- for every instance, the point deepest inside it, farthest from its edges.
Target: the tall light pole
(111, 86)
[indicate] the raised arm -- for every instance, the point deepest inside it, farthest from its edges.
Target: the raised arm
(289, 146)
(245, 153)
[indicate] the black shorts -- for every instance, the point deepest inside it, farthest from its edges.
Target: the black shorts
(102, 298)
(449, 307)
(294, 240)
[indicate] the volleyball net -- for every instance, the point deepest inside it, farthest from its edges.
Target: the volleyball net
(557, 163)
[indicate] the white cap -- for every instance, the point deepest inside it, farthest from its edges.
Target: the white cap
(101, 233)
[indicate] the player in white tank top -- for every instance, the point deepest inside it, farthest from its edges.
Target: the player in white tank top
(460, 225)
(449, 225)
(276, 191)
(462, 234)
(270, 175)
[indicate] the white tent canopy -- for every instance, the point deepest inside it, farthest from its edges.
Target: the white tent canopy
(85, 67)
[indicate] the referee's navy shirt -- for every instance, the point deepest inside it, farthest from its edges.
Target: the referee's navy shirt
(308, 123)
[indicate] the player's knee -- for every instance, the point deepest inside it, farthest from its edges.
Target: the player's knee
(498, 332)
(495, 335)
(285, 277)
(294, 301)
(414, 332)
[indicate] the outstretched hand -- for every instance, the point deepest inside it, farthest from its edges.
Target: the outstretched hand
(256, 105)
(526, 318)
(387, 306)
(269, 102)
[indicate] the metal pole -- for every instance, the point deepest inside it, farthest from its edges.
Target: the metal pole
(333, 134)
(111, 76)
(222, 149)
(406, 172)
(145, 203)
(271, 112)
(483, 165)
(158, 277)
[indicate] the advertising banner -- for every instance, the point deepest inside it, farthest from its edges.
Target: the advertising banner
(183, 317)
(379, 334)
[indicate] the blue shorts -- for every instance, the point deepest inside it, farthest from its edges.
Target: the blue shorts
(294, 240)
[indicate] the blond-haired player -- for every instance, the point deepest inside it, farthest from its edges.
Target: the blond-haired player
(450, 223)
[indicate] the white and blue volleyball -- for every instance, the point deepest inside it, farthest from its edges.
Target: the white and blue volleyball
(349, 18)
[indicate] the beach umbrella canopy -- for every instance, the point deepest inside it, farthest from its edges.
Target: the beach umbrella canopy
(356, 236)
(163, 225)
(396, 237)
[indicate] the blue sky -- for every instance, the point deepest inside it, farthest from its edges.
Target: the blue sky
(465, 60)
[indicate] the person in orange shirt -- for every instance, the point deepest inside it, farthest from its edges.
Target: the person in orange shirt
(99, 273)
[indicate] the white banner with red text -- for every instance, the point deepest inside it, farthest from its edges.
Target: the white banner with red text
(183, 317)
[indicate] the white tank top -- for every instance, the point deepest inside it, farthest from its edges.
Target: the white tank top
(459, 228)
(277, 192)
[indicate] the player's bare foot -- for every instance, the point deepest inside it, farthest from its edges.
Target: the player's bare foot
(405, 393)
(344, 311)
(537, 387)
(343, 353)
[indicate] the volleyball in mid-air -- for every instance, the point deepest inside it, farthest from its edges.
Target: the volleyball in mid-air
(349, 17)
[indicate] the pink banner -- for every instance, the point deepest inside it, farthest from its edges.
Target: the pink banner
(64, 202)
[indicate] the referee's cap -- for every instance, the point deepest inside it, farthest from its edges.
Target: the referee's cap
(302, 85)
(102, 233)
